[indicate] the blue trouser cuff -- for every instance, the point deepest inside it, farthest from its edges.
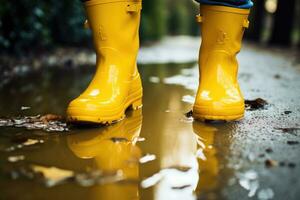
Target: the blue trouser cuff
(244, 4)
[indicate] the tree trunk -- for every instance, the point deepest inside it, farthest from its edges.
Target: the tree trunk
(256, 21)
(283, 23)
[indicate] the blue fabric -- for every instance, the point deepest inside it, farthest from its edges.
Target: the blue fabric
(245, 4)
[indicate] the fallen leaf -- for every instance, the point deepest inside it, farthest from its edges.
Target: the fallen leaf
(271, 163)
(53, 175)
(15, 158)
(291, 142)
(255, 104)
(147, 158)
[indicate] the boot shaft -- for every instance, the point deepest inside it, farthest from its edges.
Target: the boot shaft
(222, 30)
(222, 27)
(219, 96)
(114, 24)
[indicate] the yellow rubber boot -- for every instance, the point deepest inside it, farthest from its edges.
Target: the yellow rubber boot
(219, 96)
(209, 167)
(112, 150)
(116, 84)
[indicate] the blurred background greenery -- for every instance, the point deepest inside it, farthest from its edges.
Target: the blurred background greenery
(31, 25)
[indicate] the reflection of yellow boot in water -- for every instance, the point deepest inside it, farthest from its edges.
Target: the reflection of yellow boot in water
(113, 148)
(219, 96)
(209, 167)
(116, 84)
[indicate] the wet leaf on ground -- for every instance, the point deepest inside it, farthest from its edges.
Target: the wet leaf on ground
(189, 114)
(287, 112)
(53, 175)
(48, 122)
(277, 76)
(269, 150)
(271, 163)
(291, 165)
(288, 164)
(256, 104)
(290, 130)
(292, 142)
(51, 117)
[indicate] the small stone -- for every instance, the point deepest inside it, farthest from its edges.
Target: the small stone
(291, 142)
(269, 150)
(291, 165)
(270, 163)
(261, 155)
(282, 163)
(277, 76)
(15, 158)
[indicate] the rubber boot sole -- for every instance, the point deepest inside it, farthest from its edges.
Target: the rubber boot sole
(208, 114)
(133, 103)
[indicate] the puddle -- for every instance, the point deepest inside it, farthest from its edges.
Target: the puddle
(157, 152)
(49, 123)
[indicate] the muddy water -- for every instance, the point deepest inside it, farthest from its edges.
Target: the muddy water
(157, 151)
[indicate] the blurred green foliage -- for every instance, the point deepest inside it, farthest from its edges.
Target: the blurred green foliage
(29, 25)
(153, 21)
(26, 25)
(161, 17)
(181, 17)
